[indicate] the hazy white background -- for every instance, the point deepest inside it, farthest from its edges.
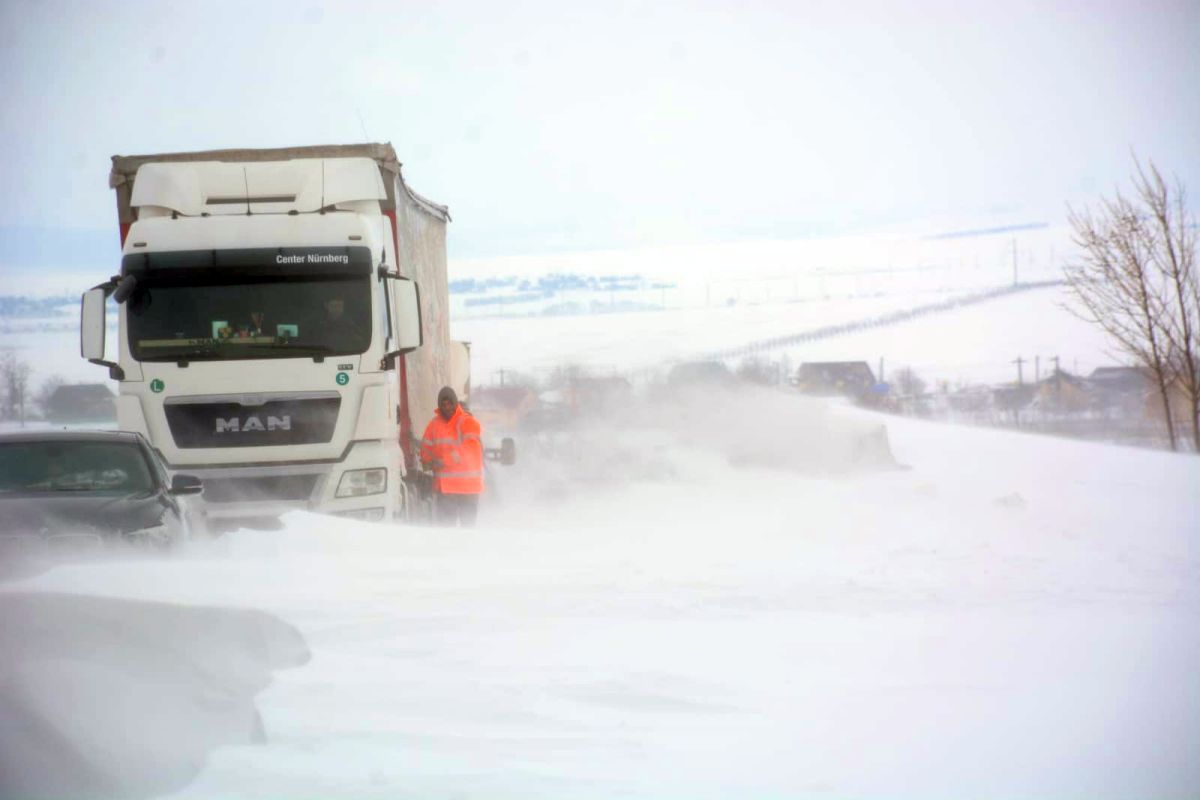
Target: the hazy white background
(612, 124)
(650, 614)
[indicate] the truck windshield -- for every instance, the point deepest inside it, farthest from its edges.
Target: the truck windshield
(225, 312)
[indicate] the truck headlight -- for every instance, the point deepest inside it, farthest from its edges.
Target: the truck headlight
(362, 482)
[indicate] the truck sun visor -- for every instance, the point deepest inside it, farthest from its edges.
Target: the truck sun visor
(261, 263)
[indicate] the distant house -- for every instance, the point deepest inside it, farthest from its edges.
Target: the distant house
(1133, 392)
(1062, 392)
(81, 402)
(1122, 390)
(841, 378)
(1121, 379)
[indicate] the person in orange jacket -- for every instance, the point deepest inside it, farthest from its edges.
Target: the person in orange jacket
(452, 447)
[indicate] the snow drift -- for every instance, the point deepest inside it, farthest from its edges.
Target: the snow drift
(116, 698)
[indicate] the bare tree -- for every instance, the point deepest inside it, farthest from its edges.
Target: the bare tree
(1173, 253)
(908, 382)
(1136, 279)
(14, 378)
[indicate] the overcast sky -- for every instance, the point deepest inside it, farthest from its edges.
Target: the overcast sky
(545, 127)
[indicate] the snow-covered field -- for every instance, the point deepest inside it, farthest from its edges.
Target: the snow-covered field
(975, 344)
(1011, 617)
(724, 295)
(689, 602)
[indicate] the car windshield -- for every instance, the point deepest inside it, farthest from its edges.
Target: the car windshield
(229, 310)
(66, 466)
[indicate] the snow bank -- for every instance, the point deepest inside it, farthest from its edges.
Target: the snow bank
(680, 600)
(103, 697)
(1013, 616)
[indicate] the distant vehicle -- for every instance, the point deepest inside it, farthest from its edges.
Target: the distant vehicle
(853, 379)
(700, 373)
(101, 487)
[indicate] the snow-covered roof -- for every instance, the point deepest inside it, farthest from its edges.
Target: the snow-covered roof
(1131, 379)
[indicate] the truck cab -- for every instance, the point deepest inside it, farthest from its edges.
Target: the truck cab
(272, 338)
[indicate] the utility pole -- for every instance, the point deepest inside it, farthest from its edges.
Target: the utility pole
(1057, 385)
(1016, 406)
(881, 369)
(1037, 369)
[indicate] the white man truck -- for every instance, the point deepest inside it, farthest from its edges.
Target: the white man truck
(282, 324)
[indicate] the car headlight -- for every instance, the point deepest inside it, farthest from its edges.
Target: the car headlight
(362, 482)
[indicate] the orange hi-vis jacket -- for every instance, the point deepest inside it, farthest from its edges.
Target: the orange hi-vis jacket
(455, 451)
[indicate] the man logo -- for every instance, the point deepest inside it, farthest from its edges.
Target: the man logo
(236, 425)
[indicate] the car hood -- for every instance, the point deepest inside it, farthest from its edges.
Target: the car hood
(83, 512)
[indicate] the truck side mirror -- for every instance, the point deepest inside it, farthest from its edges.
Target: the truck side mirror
(408, 330)
(408, 312)
(91, 325)
(91, 331)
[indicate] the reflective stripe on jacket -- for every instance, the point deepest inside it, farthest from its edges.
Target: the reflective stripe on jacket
(455, 451)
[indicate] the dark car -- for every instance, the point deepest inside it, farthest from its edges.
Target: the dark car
(100, 487)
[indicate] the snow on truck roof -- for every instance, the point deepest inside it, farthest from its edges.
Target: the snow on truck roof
(282, 180)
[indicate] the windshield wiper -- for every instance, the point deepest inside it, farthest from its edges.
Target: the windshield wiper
(317, 351)
(291, 344)
(221, 351)
(182, 353)
(303, 349)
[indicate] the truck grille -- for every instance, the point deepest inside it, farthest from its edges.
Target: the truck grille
(248, 490)
(230, 422)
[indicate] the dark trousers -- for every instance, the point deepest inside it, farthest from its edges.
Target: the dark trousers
(455, 510)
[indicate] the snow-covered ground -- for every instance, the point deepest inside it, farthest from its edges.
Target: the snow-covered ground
(1011, 617)
(693, 599)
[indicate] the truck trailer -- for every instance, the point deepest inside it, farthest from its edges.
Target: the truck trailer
(282, 324)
